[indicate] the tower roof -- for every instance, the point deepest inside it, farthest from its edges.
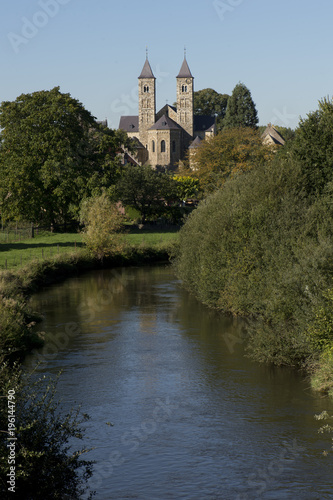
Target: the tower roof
(185, 71)
(146, 70)
(197, 141)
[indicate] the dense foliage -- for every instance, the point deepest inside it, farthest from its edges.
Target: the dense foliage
(147, 190)
(241, 110)
(52, 154)
(102, 223)
(211, 103)
(230, 153)
(262, 246)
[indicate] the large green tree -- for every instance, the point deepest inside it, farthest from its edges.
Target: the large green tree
(313, 147)
(241, 110)
(146, 190)
(52, 153)
(209, 102)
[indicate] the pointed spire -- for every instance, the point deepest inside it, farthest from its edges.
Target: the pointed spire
(146, 70)
(185, 71)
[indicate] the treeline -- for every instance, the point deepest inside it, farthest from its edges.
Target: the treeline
(261, 246)
(54, 156)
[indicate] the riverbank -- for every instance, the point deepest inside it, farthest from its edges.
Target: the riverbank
(17, 337)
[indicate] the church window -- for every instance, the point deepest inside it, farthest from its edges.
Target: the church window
(173, 146)
(153, 146)
(146, 88)
(163, 147)
(184, 88)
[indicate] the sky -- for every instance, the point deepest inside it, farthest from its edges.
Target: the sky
(95, 50)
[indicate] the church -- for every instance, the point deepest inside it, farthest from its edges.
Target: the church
(163, 138)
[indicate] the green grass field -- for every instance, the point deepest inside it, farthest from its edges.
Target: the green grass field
(48, 245)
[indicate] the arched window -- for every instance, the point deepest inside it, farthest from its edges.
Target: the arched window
(173, 146)
(184, 88)
(163, 147)
(146, 88)
(153, 146)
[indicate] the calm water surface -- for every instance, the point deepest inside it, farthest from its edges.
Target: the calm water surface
(192, 418)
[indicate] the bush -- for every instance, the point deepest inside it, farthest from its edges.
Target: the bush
(102, 222)
(260, 247)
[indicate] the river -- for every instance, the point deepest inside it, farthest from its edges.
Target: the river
(177, 410)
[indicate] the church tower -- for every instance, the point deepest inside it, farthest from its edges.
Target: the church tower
(185, 98)
(147, 100)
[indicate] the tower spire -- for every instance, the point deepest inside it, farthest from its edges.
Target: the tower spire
(147, 52)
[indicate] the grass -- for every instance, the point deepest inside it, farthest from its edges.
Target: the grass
(48, 245)
(43, 246)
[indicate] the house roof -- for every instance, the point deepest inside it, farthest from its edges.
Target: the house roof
(165, 123)
(273, 134)
(146, 70)
(203, 123)
(129, 123)
(197, 141)
(185, 71)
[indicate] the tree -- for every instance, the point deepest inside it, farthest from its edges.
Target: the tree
(146, 190)
(229, 153)
(313, 147)
(52, 152)
(103, 222)
(187, 187)
(241, 110)
(209, 102)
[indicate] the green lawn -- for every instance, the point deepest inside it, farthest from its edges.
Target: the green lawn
(13, 255)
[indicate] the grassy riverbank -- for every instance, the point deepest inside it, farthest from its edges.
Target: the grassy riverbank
(46, 246)
(50, 258)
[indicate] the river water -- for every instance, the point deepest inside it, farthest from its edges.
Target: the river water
(177, 410)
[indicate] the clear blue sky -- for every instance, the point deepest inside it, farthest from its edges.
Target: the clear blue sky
(95, 50)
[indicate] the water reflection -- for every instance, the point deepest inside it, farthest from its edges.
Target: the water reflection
(193, 418)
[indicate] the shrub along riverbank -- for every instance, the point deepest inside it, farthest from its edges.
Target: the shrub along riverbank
(262, 247)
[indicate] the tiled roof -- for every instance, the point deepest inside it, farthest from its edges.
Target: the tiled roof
(165, 123)
(197, 141)
(185, 71)
(203, 123)
(273, 134)
(129, 123)
(146, 71)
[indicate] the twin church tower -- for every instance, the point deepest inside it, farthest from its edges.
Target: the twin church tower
(163, 138)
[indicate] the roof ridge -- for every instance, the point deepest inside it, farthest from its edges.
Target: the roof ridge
(147, 72)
